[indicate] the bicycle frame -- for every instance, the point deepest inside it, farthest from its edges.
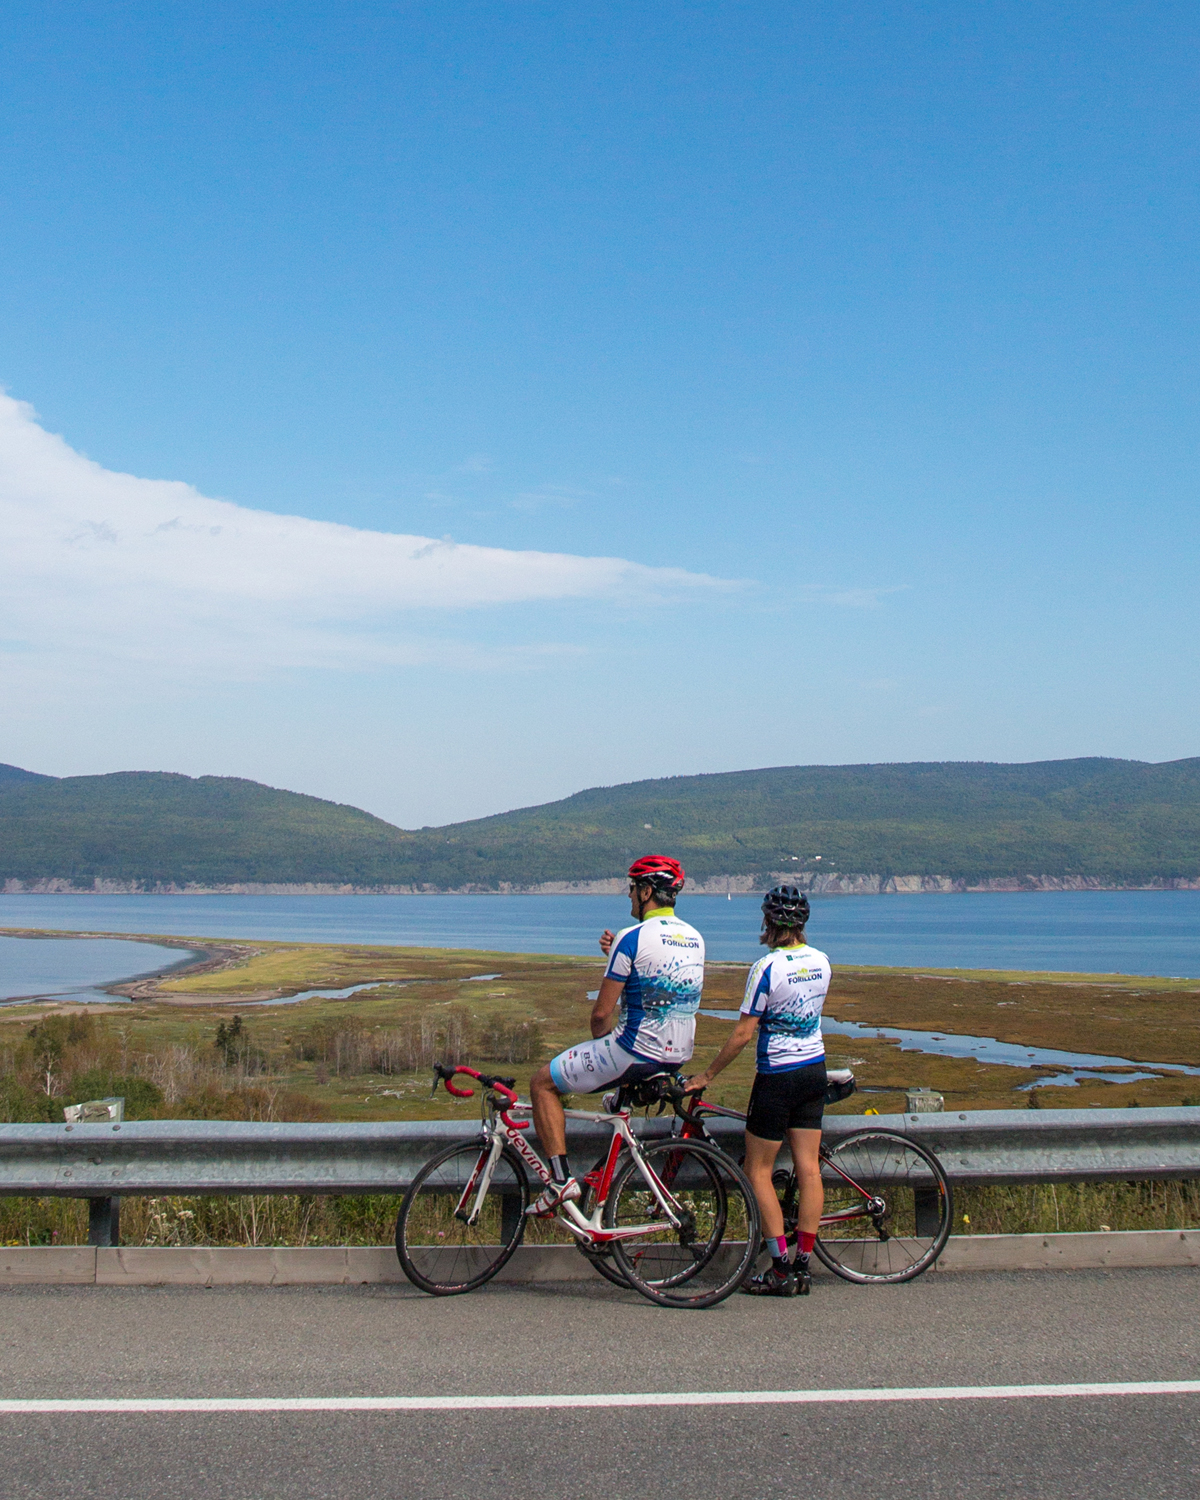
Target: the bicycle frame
(693, 1128)
(500, 1129)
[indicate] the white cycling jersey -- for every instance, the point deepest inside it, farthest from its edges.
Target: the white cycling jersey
(786, 990)
(661, 962)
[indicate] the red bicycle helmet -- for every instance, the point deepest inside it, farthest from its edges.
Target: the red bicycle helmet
(659, 872)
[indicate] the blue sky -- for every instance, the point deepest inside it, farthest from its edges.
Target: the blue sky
(838, 361)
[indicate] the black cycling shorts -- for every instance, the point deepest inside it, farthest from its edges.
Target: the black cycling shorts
(780, 1102)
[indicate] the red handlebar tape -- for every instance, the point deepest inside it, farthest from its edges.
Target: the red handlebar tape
(470, 1093)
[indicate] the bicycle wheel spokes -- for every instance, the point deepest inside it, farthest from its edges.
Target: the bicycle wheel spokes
(448, 1242)
(703, 1257)
(887, 1208)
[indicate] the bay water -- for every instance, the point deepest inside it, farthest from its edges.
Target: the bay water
(70, 968)
(1095, 932)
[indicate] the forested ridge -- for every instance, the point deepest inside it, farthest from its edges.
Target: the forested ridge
(1117, 821)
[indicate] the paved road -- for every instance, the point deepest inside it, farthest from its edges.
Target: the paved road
(944, 1330)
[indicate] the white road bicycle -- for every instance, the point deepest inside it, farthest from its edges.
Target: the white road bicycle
(677, 1217)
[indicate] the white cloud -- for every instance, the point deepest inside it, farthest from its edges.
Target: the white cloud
(95, 562)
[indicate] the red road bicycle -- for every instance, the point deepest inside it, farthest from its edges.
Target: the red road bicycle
(675, 1219)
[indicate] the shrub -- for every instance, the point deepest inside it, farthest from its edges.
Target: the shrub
(22, 1105)
(509, 1040)
(442, 1035)
(142, 1098)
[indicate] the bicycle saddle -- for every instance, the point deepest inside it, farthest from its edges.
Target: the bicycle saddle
(648, 1091)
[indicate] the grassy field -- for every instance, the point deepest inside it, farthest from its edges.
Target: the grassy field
(1152, 1020)
(209, 1044)
(367, 1056)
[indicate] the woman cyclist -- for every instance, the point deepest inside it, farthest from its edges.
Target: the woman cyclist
(784, 995)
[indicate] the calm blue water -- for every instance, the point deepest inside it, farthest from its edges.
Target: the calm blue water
(71, 967)
(1105, 932)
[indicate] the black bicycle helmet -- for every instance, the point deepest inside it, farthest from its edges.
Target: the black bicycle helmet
(786, 906)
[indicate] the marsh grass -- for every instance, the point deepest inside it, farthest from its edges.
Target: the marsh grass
(1070, 1207)
(370, 1219)
(253, 1219)
(245, 1071)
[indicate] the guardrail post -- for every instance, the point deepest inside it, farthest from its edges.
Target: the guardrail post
(928, 1205)
(104, 1221)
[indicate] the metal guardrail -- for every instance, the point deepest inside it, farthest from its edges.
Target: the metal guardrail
(104, 1162)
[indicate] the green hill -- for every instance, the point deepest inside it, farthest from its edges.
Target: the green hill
(162, 829)
(14, 776)
(1118, 821)
(1115, 821)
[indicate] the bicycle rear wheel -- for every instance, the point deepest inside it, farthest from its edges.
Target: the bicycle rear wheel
(439, 1249)
(699, 1263)
(887, 1208)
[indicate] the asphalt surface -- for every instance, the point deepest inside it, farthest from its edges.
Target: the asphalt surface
(584, 1337)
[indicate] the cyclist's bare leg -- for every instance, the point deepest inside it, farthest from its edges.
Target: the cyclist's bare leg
(548, 1117)
(806, 1146)
(760, 1163)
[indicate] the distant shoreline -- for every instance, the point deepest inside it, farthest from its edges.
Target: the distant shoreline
(718, 885)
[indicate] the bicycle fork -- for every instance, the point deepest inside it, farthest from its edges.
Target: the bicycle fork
(480, 1181)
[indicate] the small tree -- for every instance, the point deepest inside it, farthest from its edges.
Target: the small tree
(231, 1041)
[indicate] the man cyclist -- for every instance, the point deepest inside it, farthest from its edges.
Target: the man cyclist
(644, 1018)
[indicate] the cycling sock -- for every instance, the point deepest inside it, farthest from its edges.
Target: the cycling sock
(777, 1245)
(806, 1242)
(559, 1170)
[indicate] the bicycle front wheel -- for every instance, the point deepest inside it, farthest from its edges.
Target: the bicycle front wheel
(699, 1260)
(449, 1242)
(887, 1208)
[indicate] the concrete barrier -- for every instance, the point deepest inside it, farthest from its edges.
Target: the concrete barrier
(1071, 1252)
(355, 1265)
(64, 1265)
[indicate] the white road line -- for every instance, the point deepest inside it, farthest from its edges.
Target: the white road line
(649, 1398)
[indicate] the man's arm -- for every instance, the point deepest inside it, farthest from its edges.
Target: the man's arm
(606, 1005)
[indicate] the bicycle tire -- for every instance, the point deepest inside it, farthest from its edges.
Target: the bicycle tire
(911, 1233)
(703, 1263)
(441, 1254)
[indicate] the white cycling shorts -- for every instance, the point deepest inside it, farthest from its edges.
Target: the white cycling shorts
(598, 1064)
